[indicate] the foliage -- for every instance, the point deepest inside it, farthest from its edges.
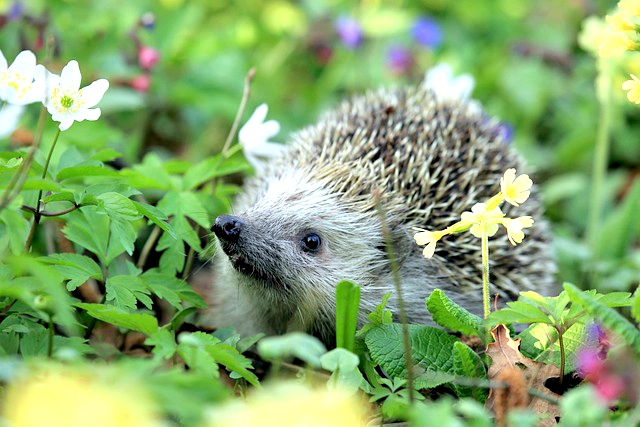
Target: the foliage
(103, 234)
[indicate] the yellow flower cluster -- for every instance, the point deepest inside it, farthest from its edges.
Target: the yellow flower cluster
(61, 396)
(486, 217)
(290, 405)
(621, 33)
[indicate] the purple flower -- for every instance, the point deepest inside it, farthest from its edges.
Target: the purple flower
(426, 31)
(506, 131)
(349, 32)
(15, 11)
(148, 20)
(399, 59)
(589, 363)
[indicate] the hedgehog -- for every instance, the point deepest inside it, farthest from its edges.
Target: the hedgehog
(310, 219)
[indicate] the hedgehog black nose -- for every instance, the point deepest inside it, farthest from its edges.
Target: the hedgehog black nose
(227, 227)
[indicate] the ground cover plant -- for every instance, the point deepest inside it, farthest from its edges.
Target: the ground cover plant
(126, 129)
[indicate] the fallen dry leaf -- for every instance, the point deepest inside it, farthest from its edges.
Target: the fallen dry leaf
(505, 355)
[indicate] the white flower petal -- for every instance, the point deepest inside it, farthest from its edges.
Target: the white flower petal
(88, 114)
(47, 81)
(70, 76)
(268, 149)
(257, 164)
(65, 122)
(24, 64)
(93, 93)
(441, 80)
(9, 118)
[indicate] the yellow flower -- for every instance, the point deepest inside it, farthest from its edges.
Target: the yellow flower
(633, 86)
(592, 34)
(514, 228)
(620, 21)
(57, 396)
(615, 43)
(479, 218)
(429, 238)
(291, 405)
(632, 7)
(515, 190)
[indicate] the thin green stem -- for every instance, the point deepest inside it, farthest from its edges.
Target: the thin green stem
(51, 334)
(485, 271)
(148, 245)
(18, 179)
(38, 215)
(395, 271)
(562, 353)
(243, 105)
(601, 154)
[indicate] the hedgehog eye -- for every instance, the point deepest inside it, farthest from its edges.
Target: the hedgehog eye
(311, 242)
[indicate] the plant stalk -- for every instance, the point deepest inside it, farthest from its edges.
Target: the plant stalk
(485, 272)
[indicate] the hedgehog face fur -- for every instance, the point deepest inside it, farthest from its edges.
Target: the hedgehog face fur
(310, 220)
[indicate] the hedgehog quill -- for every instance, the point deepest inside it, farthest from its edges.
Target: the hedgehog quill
(309, 219)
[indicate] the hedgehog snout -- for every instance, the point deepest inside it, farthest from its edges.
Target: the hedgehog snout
(227, 228)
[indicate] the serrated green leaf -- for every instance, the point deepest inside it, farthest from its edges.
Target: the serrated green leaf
(347, 303)
(84, 171)
(124, 291)
(447, 313)
(14, 229)
(213, 167)
(234, 361)
(467, 363)
(172, 289)
(118, 206)
(140, 322)
(156, 216)
(431, 351)
(163, 342)
(75, 268)
(192, 349)
(184, 203)
(540, 342)
(608, 316)
(518, 311)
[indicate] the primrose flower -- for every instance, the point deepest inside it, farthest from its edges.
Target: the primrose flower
(254, 137)
(480, 218)
(291, 405)
(633, 88)
(515, 190)
(632, 7)
(66, 102)
(58, 396)
(17, 84)
(440, 78)
(430, 239)
(514, 228)
(620, 21)
(615, 43)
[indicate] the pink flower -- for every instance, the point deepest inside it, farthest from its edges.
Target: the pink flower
(148, 57)
(141, 83)
(589, 364)
(609, 387)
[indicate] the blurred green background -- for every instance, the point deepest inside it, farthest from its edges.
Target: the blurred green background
(180, 99)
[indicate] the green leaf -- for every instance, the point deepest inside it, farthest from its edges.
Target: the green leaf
(84, 171)
(213, 167)
(140, 322)
(156, 216)
(347, 303)
(345, 374)
(91, 230)
(14, 229)
(447, 313)
(163, 342)
(40, 184)
(518, 311)
(380, 316)
(234, 361)
(635, 308)
(293, 344)
(75, 268)
(431, 351)
(184, 203)
(467, 363)
(619, 229)
(172, 289)
(125, 290)
(192, 349)
(540, 342)
(118, 206)
(608, 316)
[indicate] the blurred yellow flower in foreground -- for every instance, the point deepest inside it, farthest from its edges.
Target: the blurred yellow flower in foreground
(56, 396)
(615, 43)
(291, 405)
(633, 88)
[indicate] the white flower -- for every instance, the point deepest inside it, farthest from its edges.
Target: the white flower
(9, 117)
(17, 85)
(254, 138)
(64, 99)
(440, 79)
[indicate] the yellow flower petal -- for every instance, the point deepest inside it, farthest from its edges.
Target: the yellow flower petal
(615, 43)
(515, 190)
(633, 88)
(515, 226)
